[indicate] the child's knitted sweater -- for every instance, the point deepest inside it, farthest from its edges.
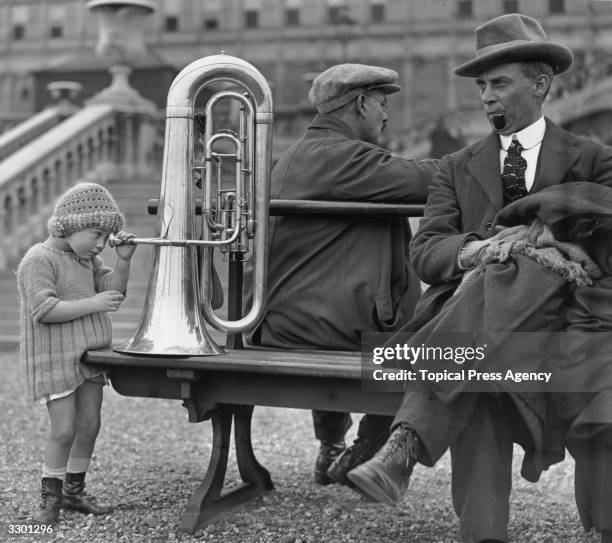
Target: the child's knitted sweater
(51, 352)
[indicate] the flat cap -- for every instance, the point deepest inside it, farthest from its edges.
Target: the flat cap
(341, 83)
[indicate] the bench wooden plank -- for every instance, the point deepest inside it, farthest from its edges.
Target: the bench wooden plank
(318, 363)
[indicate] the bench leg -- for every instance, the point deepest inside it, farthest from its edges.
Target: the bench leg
(209, 502)
(250, 469)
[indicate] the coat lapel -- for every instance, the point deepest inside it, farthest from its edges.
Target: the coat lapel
(484, 167)
(557, 155)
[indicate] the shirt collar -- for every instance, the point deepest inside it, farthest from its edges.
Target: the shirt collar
(528, 137)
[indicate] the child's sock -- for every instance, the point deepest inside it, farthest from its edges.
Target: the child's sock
(78, 465)
(54, 473)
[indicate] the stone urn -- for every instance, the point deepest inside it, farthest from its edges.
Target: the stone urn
(121, 43)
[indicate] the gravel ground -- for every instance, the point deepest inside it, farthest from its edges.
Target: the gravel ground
(149, 460)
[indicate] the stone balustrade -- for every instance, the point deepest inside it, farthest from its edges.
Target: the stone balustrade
(21, 134)
(82, 148)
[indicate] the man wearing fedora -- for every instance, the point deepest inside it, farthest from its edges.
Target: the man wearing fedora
(333, 278)
(513, 67)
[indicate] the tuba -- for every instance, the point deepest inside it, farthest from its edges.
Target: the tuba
(234, 216)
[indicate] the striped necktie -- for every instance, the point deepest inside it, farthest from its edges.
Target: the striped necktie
(513, 175)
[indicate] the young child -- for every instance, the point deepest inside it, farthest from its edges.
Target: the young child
(66, 294)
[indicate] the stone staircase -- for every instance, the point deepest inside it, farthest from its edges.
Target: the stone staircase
(132, 196)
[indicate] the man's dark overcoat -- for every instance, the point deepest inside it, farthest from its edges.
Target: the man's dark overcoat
(332, 278)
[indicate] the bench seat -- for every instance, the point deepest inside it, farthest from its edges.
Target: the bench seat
(225, 388)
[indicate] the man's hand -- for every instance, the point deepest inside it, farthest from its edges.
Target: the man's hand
(509, 233)
(505, 234)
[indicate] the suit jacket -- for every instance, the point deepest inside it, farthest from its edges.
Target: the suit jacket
(466, 195)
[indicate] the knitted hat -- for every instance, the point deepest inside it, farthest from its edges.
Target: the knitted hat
(86, 205)
(514, 38)
(339, 84)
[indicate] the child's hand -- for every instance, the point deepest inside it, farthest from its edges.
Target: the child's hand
(124, 249)
(108, 300)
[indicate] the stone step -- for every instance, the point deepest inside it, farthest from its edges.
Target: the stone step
(9, 342)
(139, 217)
(9, 326)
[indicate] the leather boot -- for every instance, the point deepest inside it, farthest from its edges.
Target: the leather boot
(359, 452)
(328, 452)
(49, 508)
(77, 499)
(386, 476)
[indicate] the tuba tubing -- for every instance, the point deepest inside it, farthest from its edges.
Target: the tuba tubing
(177, 298)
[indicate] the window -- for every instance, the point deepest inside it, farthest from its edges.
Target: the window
(464, 9)
(171, 23)
(292, 17)
(20, 15)
(252, 9)
(211, 23)
(556, 6)
(18, 32)
(212, 11)
(339, 15)
(511, 6)
(57, 18)
(377, 12)
(56, 31)
(333, 14)
(251, 18)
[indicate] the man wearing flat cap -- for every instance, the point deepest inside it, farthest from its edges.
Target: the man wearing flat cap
(333, 278)
(525, 153)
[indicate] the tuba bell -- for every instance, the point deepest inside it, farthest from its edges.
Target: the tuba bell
(233, 217)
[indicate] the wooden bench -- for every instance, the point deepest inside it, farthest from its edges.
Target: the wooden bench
(225, 388)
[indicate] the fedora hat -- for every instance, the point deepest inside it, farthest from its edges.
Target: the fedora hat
(514, 38)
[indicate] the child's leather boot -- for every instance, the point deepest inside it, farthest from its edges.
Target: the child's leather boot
(77, 499)
(51, 492)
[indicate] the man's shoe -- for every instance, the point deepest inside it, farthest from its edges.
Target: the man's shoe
(386, 476)
(77, 499)
(359, 452)
(328, 452)
(606, 536)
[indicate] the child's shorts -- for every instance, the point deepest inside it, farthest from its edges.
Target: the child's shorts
(99, 378)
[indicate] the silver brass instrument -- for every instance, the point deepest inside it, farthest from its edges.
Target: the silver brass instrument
(233, 217)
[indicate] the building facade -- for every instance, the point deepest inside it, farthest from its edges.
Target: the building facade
(290, 40)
